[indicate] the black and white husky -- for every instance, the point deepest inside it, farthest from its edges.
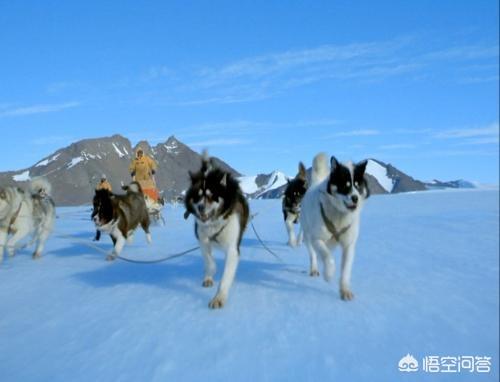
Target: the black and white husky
(221, 212)
(294, 192)
(120, 215)
(26, 212)
(331, 214)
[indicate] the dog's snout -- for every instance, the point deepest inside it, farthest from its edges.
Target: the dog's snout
(201, 208)
(354, 198)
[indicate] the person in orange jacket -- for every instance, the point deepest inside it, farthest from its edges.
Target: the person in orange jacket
(142, 168)
(104, 184)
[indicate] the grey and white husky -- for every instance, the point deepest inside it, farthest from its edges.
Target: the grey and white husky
(330, 216)
(26, 212)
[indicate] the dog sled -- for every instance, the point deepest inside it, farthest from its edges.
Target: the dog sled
(154, 204)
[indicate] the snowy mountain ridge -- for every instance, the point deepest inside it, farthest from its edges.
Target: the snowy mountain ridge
(76, 169)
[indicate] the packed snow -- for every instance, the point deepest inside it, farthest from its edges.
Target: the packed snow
(379, 172)
(23, 177)
(172, 147)
(249, 185)
(120, 154)
(425, 277)
(75, 161)
(45, 162)
(276, 180)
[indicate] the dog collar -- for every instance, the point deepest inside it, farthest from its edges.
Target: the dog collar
(330, 226)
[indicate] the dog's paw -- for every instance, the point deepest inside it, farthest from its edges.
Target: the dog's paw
(292, 243)
(207, 283)
(110, 257)
(314, 273)
(217, 302)
(346, 295)
(36, 255)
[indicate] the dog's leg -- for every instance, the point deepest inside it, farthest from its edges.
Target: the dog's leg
(210, 267)
(345, 277)
(326, 257)
(313, 258)
(120, 242)
(3, 242)
(41, 239)
(11, 243)
(292, 242)
(232, 259)
(145, 227)
(300, 238)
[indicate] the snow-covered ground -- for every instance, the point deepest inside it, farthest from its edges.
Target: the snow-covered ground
(426, 280)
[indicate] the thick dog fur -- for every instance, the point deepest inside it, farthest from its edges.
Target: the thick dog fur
(221, 216)
(26, 212)
(294, 192)
(120, 215)
(331, 214)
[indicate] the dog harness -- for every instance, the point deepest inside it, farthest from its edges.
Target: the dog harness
(14, 217)
(215, 235)
(331, 227)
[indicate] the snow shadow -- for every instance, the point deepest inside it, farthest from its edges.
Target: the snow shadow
(186, 275)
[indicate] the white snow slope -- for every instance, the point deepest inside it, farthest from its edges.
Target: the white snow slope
(249, 186)
(379, 172)
(426, 281)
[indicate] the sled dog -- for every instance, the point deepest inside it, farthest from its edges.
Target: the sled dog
(26, 212)
(120, 215)
(330, 216)
(221, 216)
(294, 192)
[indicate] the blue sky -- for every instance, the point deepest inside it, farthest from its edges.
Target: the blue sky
(262, 84)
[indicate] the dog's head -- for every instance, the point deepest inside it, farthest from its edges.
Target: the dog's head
(102, 212)
(209, 194)
(347, 185)
(296, 189)
(4, 199)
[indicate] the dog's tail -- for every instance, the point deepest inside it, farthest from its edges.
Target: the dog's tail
(133, 187)
(40, 186)
(320, 168)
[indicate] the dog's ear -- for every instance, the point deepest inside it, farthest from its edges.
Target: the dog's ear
(302, 171)
(223, 181)
(361, 167)
(333, 163)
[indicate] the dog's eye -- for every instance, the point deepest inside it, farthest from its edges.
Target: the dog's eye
(356, 184)
(200, 192)
(348, 184)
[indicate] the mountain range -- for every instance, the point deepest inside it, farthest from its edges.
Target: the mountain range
(75, 170)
